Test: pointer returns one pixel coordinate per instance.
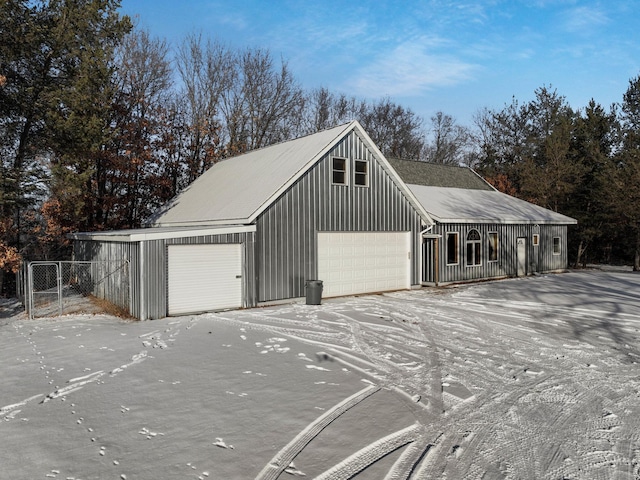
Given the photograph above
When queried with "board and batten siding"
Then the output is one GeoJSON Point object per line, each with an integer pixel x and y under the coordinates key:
{"type": "Point", "coordinates": [540, 259]}
{"type": "Point", "coordinates": [148, 268]}
{"type": "Point", "coordinates": [286, 238]}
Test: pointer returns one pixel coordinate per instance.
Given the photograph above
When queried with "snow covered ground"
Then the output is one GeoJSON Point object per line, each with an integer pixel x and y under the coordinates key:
{"type": "Point", "coordinates": [534, 378]}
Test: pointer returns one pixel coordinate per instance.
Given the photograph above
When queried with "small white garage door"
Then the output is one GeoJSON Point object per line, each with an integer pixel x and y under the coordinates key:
{"type": "Point", "coordinates": [203, 278]}
{"type": "Point", "coordinates": [363, 262]}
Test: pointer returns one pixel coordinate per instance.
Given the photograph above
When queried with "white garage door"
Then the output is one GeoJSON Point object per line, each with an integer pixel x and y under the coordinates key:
{"type": "Point", "coordinates": [363, 262]}
{"type": "Point", "coordinates": [204, 278]}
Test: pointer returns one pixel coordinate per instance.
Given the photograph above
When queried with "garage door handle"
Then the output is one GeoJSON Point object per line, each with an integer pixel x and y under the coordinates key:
{"type": "Point", "coordinates": [238, 276]}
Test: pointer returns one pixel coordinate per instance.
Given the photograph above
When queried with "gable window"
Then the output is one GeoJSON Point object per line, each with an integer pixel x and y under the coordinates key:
{"type": "Point", "coordinates": [339, 169]}
{"type": "Point", "coordinates": [474, 248]}
{"type": "Point", "coordinates": [452, 248]}
{"type": "Point", "coordinates": [361, 173]}
{"type": "Point", "coordinates": [556, 245]}
{"type": "Point", "coordinates": [493, 246]}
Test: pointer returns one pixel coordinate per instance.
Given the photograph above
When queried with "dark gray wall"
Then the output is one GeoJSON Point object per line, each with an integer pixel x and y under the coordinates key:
{"type": "Point", "coordinates": [151, 272]}
{"type": "Point", "coordinates": [286, 238]}
{"type": "Point", "coordinates": [539, 259]}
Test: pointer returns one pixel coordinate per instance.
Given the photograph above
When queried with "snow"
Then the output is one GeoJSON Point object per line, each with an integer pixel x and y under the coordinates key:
{"type": "Point", "coordinates": [533, 378]}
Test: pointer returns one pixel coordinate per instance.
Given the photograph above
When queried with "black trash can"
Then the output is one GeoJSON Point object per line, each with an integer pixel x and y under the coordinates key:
{"type": "Point", "coordinates": [314, 292]}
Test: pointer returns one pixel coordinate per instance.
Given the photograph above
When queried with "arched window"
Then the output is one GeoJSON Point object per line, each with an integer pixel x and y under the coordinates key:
{"type": "Point", "coordinates": [474, 248]}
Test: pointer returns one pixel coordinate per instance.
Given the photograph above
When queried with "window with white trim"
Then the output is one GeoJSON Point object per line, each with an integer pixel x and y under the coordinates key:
{"type": "Point", "coordinates": [339, 170]}
{"type": "Point", "coordinates": [493, 246]}
{"type": "Point", "coordinates": [474, 248]}
{"type": "Point", "coordinates": [452, 248]}
{"type": "Point", "coordinates": [556, 245]}
{"type": "Point", "coordinates": [536, 239]}
{"type": "Point", "coordinates": [361, 173]}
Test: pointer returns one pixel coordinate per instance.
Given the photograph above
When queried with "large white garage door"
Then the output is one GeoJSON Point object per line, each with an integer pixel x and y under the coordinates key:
{"type": "Point", "coordinates": [363, 262]}
{"type": "Point", "coordinates": [204, 278]}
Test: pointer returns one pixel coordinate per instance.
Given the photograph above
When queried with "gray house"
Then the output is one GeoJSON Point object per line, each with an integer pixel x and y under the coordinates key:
{"type": "Point", "coordinates": [254, 228]}
{"type": "Point", "coordinates": [478, 232]}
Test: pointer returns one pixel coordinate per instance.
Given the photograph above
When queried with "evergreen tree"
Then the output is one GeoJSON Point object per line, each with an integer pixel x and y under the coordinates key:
{"type": "Point", "coordinates": [626, 177]}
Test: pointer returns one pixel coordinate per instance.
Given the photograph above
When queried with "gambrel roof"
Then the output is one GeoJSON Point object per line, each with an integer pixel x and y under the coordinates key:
{"type": "Point", "coordinates": [452, 194]}
{"type": "Point", "coordinates": [236, 190]}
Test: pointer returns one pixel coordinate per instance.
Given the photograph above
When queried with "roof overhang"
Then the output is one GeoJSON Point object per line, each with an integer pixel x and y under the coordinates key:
{"type": "Point", "coordinates": [505, 221]}
{"type": "Point", "coordinates": [161, 233]}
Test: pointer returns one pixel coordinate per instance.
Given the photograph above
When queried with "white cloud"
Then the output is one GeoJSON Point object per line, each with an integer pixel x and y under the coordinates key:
{"type": "Point", "coordinates": [584, 19]}
{"type": "Point", "coordinates": [410, 69]}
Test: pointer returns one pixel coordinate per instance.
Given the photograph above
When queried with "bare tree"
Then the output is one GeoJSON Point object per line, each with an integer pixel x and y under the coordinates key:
{"type": "Point", "coordinates": [207, 73]}
{"type": "Point", "coordinates": [449, 143]}
{"type": "Point", "coordinates": [396, 130]}
{"type": "Point", "coordinates": [271, 100]}
{"type": "Point", "coordinates": [324, 109]}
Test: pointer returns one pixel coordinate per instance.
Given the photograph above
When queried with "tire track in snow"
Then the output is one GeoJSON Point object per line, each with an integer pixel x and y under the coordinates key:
{"type": "Point", "coordinates": [370, 454]}
{"type": "Point", "coordinates": [284, 457]}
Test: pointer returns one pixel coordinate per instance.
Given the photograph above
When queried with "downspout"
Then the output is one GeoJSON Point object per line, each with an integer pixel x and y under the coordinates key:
{"type": "Point", "coordinates": [426, 230]}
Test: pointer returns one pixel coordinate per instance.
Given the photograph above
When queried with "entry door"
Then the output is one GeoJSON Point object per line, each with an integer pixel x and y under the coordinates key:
{"type": "Point", "coordinates": [204, 278]}
{"type": "Point", "coordinates": [363, 262]}
{"type": "Point", "coordinates": [522, 256]}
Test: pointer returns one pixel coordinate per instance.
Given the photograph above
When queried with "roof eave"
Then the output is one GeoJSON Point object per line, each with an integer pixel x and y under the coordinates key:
{"type": "Point", "coordinates": [502, 221]}
{"type": "Point", "coordinates": [161, 233]}
{"type": "Point", "coordinates": [297, 175]}
{"type": "Point", "coordinates": [392, 172]}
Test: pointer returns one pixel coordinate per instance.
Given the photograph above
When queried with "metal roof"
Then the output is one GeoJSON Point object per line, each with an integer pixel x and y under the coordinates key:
{"type": "Point", "coordinates": [237, 190]}
{"type": "Point", "coordinates": [461, 205]}
{"type": "Point", "coordinates": [438, 175]}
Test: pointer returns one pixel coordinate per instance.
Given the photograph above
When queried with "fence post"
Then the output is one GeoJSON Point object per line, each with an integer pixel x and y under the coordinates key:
{"type": "Point", "coordinates": [30, 290]}
{"type": "Point", "coordinates": [59, 273]}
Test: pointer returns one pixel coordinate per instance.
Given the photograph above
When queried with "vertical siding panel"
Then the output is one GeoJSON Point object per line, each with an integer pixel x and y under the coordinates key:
{"type": "Point", "coordinates": [322, 206]}
{"type": "Point", "coordinates": [155, 269]}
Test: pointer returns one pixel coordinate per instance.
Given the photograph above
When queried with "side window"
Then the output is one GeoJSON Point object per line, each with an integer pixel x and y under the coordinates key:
{"type": "Point", "coordinates": [361, 173]}
{"type": "Point", "coordinates": [556, 245]}
{"type": "Point", "coordinates": [493, 246]}
{"type": "Point", "coordinates": [339, 168]}
{"type": "Point", "coordinates": [474, 248]}
{"type": "Point", "coordinates": [452, 248]}
{"type": "Point", "coordinates": [536, 239]}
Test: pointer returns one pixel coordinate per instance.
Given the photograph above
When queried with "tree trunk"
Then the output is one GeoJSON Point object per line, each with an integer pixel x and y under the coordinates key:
{"type": "Point", "coordinates": [581, 251]}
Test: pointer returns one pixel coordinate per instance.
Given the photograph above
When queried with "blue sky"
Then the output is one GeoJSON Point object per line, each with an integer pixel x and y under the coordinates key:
{"type": "Point", "coordinates": [431, 55]}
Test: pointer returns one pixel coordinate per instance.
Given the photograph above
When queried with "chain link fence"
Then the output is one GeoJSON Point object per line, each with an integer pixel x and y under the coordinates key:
{"type": "Point", "coordinates": [54, 288]}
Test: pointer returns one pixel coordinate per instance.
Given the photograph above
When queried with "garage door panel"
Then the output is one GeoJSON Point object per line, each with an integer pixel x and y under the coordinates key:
{"type": "Point", "coordinates": [360, 262]}
{"type": "Point", "coordinates": [204, 277]}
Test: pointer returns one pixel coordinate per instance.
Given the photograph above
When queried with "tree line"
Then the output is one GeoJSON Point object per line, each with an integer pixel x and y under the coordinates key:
{"type": "Point", "coordinates": [101, 123]}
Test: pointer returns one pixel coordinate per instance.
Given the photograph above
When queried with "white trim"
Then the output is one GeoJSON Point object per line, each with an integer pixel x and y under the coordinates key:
{"type": "Point", "coordinates": [296, 176]}
{"type": "Point", "coordinates": [477, 244]}
{"type": "Point", "coordinates": [494, 221]}
{"type": "Point", "coordinates": [352, 126]}
{"type": "Point", "coordinates": [356, 173]}
{"type": "Point", "coordinates": [393, 174]}
{"type": "Point", "coordinates": [345, 183]}
{"type": "Point", "coordinates": [161, 233]}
